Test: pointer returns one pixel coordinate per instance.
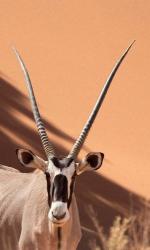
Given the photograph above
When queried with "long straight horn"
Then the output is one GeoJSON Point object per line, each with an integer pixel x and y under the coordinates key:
{"type": "Point", "coordinates": [79, 142]}
{"type": "Point", "coordinates": [49, 150]}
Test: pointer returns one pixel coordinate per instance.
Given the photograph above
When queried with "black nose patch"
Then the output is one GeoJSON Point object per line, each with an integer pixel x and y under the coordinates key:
{"type": "Point", "coordinates": [60, 188]}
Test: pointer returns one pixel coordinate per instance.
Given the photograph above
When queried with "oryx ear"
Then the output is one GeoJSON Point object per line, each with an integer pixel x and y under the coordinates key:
{"type": "Point", "coordinates": [92, 161]}
{"type": "Point", "coordinates": [29, 159]}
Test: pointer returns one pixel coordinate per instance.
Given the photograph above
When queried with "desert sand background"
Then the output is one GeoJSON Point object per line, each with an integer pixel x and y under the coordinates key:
{"type": "Point", "coordinates": [70, 48]}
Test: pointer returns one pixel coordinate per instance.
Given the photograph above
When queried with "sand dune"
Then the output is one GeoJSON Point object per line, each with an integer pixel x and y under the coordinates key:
{"type": "Point", "coordinates": [69, 48]}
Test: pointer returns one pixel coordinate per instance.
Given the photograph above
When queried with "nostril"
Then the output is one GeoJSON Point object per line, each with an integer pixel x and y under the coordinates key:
{"type": "Point", "coordinates": [59, 217]}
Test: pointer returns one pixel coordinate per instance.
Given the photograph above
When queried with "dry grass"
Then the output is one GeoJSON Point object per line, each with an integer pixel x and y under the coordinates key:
{"type": "Point", "coordinates": [132, 233]}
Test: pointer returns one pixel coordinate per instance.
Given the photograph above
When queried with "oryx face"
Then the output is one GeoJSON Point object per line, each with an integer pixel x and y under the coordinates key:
{"type": "Point", "coordinates": [61, 173]}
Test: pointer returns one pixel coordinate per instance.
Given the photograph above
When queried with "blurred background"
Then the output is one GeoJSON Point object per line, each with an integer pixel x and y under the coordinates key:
{"type": "Point", "coordinates": [69, 48]}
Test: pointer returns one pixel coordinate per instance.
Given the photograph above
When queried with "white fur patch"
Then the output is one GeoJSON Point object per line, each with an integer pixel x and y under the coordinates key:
{"type": "Point", "coordinates": [58, 208]}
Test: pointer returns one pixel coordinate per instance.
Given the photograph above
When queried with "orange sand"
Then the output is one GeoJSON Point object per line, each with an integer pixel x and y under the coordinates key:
{"type": "Point", "coordinates": [69, 48]}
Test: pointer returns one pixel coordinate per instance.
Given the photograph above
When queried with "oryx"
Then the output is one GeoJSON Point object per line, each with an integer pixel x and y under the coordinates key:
{"type": "Point", "coordinates": [38, 210]}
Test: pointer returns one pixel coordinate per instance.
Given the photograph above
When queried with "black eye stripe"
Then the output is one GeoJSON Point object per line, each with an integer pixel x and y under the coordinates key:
{"type": "Point", "coordinates": [48, 187]}
{"type": "Point", "coordinates": [71, 188]}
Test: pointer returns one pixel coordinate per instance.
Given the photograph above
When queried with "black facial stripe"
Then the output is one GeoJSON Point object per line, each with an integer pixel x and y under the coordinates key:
{"type": "Point", "coordinates": [71, 188]}
{"type": "Point", "coordinates": [48, 187]}
{"type": "Point", "coordinates": [60, 188]}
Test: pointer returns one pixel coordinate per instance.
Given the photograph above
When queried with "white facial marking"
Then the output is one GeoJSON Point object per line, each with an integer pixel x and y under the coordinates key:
{"type": "Point", "coordinates": [68, 172]}
{"type": "Point", "coordinates": [58, 213]}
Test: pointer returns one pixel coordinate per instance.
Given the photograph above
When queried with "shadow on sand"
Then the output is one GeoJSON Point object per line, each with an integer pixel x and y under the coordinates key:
{"type": "Point", "coordinates": [12, 104]}
{"type": "Point", "coordinates": [107, 198]}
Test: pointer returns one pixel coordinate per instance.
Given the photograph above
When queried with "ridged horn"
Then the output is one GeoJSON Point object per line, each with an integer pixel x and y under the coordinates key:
{"type": "Point", "coordinates": [48, 148]}
{"type": "Point", "coordinates": [79, 142]}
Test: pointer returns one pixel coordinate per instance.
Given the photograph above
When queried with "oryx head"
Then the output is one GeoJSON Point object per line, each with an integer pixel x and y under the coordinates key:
{"type": "Point", "coordinates": [61, 172]}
